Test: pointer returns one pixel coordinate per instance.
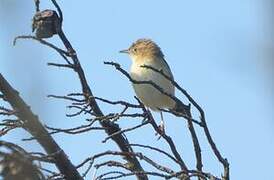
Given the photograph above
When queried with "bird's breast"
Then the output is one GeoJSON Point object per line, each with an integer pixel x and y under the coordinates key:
{"type": "Point", "coordinates": [149, 95]}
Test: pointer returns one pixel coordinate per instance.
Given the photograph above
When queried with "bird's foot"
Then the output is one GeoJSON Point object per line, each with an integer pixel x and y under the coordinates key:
{"type": "Point", "coordinates": [161, 130]}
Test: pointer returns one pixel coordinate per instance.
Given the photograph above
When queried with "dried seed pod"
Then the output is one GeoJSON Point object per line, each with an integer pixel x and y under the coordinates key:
{"type": "Point", "coordinates": [45, 24]}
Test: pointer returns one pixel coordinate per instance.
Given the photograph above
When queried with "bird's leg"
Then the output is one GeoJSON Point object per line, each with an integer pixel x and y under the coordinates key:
{"type": "Point", "coordinates": [161, 127]}
{"type": "Point", "coordinates": [162, 123]}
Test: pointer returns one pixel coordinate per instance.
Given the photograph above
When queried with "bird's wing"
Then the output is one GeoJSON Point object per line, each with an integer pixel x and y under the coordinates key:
{"type": "Point", "coordinates": [168, 69]}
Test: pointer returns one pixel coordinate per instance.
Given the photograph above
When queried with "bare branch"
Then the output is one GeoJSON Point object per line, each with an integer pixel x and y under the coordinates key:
{"type": "Point", "coordinates": [61, 65]}
{"type": "Point", "coordinates": [10, 124]}
{"type": "Point", "coordinates": [111, 127]}
{"type": "Point", "coordinates": [158, 150]}
{"type": "Point", "coordinates": [168, 140]}
{"type": "Point", "coordinates": [59, 10]}
{"type": "Point", "coordinates": [66, 98]}
{"type": "Point", "coordinates": [117, 102]}
{"type": "Point", "coordinates": [184, 116]}
{"type": "Point", "coordinates": [81, 110]}
{"type": "Point", "coordinates": [6, 112]}
{"type": "Point", "coordinates": [85, 103]}
{"type": "Point", "coordinates": [151, 119]}
{"type": "Point", "coordinates": [202, 117]}
{"type": "Point", "coordinates": [37, 3]}
{"type": "Point", "coordinates": [75, 130]}
{"type": "Point", "coordinates": [124, 175]}
{"type": "Point", "coordinates": [61, 52]}
{"type": "Point", "coordinates": [33, 126]}
{"type": "Point", "coordinates": [125, 130]}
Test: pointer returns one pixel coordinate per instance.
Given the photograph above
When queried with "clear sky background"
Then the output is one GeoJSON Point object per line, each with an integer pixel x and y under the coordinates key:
{"type": "Point", "coordinates": [221, 52]}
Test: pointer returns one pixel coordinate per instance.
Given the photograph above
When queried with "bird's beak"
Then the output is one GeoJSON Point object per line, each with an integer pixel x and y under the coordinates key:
{"type": "Point", "coordinates": [124, 51]}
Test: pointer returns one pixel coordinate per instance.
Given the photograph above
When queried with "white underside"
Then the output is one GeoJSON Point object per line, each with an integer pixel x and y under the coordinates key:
{"type": "Point", "coordinates": [150, 96]}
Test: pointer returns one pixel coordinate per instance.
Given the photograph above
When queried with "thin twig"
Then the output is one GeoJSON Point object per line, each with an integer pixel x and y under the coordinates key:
{"type": "Point", "coordinates": [61, 65]}
{"type": "Point", "coordinates": [75, 130]}
{"type": "Point", "coordinates": [125, 130]}
{"type": "Point", "coordinates": [37, 3]}
{"type": "Point", "coordinates": [66, 98]}
{"type": "Point", "coordinates": [60, 13]}
{"type": "Point", "coordinates": [124, 103]}
{"type": "Point", "coordinates": [61, 52]}
{"type": "Point", "coordinates": [156, 149]}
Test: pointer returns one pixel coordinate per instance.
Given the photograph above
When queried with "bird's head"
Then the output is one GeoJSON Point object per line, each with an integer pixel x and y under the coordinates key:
{"type": "Point", "coordinates": [143, 49]}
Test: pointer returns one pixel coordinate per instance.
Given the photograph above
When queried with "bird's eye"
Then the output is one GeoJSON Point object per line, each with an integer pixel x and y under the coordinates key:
{"type": "Point", "coordinates": [135, 49]}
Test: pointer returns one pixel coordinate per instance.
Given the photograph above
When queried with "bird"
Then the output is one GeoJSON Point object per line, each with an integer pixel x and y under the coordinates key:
{"type": "Point", "coordinates": [147, 52]}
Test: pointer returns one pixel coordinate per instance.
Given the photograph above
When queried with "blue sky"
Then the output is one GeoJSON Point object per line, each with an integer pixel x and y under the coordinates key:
{"type": "Point", "coordinates": [218, 51]}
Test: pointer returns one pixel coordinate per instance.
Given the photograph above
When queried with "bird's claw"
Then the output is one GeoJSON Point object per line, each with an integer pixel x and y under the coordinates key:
{"type": "Point", "coordinates": [161, 131]}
